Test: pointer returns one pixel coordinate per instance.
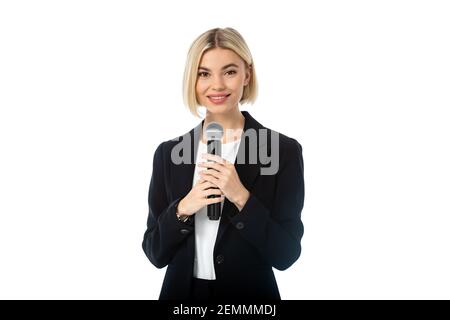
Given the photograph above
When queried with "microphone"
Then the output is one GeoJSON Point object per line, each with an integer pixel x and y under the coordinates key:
{"type": "Point", "coordinates": [214, 133]}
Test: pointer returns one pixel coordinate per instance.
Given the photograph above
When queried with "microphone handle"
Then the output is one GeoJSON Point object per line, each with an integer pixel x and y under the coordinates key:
{"type": "Point", "coordinates": [214, 147]}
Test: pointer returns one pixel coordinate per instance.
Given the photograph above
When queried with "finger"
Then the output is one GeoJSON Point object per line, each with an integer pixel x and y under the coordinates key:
{"type": "Point", "coordinates": [200, 181]}
{"type": "Point", "coordinates": [213, 157]}
{"type": "Point", "coordinates": [210, 192]}
{"type": "Point", "coordinates": [211, 178]}
{"type": "Point", "coordinates": [210, 173]}
{"type": "Point", "coordinates": [211, 165]}
{"type": "Point", "coordinates": [207, 185]}
{"type": "Point", "coordinates": [214, 200]}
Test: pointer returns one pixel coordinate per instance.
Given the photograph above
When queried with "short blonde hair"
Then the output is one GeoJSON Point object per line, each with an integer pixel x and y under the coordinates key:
{"type": "Point", "coordinates": [227, 38]}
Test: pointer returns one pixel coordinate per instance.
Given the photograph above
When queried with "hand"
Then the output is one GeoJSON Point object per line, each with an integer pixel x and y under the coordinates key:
{"type": "Point", "coordinates": [197, 198]}
{"type": "Point", "coordinates": [222, 173]}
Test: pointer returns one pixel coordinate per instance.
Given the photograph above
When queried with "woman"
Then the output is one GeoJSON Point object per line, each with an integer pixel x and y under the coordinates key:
{"type": "Point", "coordinates": [260, 225]}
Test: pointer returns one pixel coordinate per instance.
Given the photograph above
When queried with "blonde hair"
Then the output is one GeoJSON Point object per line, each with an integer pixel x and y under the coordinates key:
{"type": "Point", "coordinates": [227, 38]}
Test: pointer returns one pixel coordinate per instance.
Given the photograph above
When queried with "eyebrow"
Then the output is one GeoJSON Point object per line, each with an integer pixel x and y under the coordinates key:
{"type": "Point", "coordinates": [223, 68]}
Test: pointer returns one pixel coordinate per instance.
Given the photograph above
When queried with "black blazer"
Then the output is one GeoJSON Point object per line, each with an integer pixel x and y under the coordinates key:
{"type": "Point", "coordinates": [265, 234]}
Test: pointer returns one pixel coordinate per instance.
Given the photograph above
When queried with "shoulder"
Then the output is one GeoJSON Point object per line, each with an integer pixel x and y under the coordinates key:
{"type": "Point", "coordinates": [287, 145]}
{"type": "Point", "coordinates": [290, 144]}
{"type": "Point", "coordinates": [286, 150]}
{"type": "Point", "coordinates": [284, 142]}
{"type": "Point", "coordinates": [178, 150]}
{"type": "Point", "coordinates": [165, 147]}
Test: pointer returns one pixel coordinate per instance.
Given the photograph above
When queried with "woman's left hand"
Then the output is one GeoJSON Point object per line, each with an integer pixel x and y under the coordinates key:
{"type": "Point", "coordinates": [225, 177]}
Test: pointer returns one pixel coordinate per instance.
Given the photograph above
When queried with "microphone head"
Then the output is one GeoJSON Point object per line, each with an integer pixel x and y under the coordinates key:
{"type": "Point", "coordinates": [214, 131]}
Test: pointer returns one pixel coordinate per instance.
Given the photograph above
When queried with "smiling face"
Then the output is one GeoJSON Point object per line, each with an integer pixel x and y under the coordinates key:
{"type": "Point", "coordinates": [221, 78]}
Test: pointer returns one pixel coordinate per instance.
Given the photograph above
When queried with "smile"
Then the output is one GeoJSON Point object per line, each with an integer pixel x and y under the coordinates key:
{"type": "Point", "coordinates": [218, 99]}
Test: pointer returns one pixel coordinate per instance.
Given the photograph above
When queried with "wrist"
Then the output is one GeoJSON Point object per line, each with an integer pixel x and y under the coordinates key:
{"type": "Point", "coordinates": [181, 216]}
{"type": "Point", "coordinates": [242, 199]}
{"type": "Point", "coordinates": [180, 211]}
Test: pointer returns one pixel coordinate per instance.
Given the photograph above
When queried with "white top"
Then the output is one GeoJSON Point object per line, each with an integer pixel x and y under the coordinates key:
{"type": "Point", "coordinates": [205, 229]}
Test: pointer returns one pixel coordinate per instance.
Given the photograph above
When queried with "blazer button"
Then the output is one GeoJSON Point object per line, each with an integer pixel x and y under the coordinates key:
{"type": "Point", "coordinates": [184, 231]}
{"type": "Point", "coordinates": [240, 225]}
{"type": "Point", "coordinates": [220, 259]}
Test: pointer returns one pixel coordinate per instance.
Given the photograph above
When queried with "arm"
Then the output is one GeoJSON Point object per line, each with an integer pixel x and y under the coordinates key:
{"type": "Point", "coordinates": [276, 234]}
{"type": "Point", "coordinates": [164, 231]}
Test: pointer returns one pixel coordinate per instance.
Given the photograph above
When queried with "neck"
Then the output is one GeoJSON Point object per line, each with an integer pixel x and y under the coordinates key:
{"type": "Point", "coordinates": [232, 123]}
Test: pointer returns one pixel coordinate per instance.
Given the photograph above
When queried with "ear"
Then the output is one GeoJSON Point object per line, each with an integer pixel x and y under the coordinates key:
{"type": "Point", "coordinates": [248, 74]}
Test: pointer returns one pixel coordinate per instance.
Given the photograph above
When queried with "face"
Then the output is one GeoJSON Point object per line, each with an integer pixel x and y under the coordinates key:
{"type": "Point", "coordinates": [221, 78]}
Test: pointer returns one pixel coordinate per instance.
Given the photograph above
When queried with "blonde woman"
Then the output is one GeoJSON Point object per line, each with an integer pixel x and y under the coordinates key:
{"type": "Point", "coordinates": [257, 179]}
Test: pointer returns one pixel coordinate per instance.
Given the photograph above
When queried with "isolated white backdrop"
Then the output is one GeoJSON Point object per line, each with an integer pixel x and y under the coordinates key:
{"type": "Point", "coordinates": [88, 89]}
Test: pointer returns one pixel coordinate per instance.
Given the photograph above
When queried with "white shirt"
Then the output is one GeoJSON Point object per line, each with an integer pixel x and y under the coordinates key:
{"type": "Point", "coordinates": [205, 229]}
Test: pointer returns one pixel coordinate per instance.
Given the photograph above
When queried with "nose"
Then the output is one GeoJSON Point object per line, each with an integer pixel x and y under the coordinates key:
{"type": "Point", "coordinates": [218, 84]}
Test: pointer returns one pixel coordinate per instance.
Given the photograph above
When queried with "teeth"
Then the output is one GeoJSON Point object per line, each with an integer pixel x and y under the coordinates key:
{"type": "Point", "coordinates": [218, 98]}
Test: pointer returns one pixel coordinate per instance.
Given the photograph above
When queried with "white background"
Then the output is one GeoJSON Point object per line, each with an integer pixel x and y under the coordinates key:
{"type": "Point", "coordinates": [88, 89]}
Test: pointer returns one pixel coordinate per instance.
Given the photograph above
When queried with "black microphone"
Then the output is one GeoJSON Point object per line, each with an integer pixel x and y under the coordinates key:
{"type": "Point", "coordinates": [214, 133]}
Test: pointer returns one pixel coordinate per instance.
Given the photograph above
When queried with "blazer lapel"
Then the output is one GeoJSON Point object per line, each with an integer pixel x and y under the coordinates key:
{"type": "Point", "coordinates": [246, 171]}
{"type": "Point", "coordinates": [183, 173]}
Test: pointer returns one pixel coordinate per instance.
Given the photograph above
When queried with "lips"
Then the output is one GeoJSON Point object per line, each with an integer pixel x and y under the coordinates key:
{"type": "Point", "coordinates": [219, 96]}
{"type": "Point", "coordinates": [218, 99]}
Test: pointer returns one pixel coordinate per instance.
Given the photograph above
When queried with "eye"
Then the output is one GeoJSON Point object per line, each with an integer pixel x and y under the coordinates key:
{"type": "Point", "coordinates": [232, 71]}
{"type": "Point", "coordinates": [200, 74]}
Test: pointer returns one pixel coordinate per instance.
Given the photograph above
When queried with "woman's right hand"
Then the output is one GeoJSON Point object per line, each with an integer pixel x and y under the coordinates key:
{"type": "Point", "coordinates": [197, 198]}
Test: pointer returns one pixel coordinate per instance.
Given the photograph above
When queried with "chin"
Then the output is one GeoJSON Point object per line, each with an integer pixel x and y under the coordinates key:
{"type": "Point", "coordinates": [218, 109]}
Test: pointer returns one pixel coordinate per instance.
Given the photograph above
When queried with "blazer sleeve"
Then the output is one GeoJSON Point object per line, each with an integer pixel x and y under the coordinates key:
{"type": "Point", "coordinates": [164, 231]}
{"type": "Point", "coordinates": [276, 233]}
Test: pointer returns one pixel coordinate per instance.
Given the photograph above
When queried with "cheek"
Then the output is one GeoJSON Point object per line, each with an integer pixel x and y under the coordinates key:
{"type": "Point", "coordinates": [236, 84]}
{"type": "Point", "coordinates": [199, 88]}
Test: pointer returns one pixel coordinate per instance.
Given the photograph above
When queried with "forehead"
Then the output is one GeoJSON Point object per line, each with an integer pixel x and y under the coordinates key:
{"type": "Point", "coordinates": [217, 57]}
